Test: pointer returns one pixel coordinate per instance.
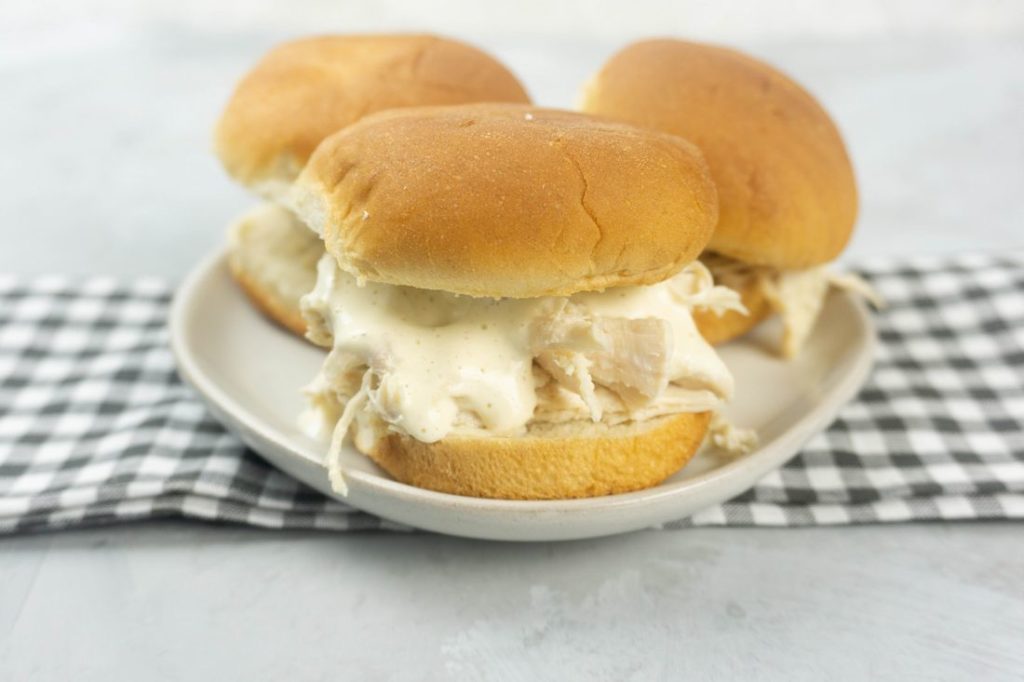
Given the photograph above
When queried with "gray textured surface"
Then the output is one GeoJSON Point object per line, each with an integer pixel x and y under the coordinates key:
{"type": "Point", "coordinates": [104, 125]}
{"type": "Point", "coordinates": [168, 602]}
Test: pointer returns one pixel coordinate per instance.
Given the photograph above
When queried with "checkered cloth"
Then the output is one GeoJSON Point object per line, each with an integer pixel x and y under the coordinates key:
{"type": "Point", "coordinates": [96, 427]}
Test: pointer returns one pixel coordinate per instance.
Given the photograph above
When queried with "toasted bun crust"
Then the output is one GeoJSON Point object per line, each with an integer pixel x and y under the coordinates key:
{"type": "Point", "coordinates": [507, 201]}
{"type": "Point", "coordinates": [786, 188]}
{"type": "Point", "coordinates": [303, 91]}
{"type": "Point", "coordinates": [273, 257]}
{"type": "Point", "coordinates": [721, 329]}
{"type": "Point", "coordinates": [579, 459]}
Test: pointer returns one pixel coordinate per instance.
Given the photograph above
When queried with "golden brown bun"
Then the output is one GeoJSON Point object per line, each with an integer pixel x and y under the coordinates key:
{"type": "Point", "coordinates": [273, 257]}
{"type": "Point", "coordinates": [303, 91]}
{"type": "Point", "coordinates": [786, 188]}
{"type": "Point", "coordinates": [507, 200]}
{"type": "Point", "coordinates": [556, 462]}
{"type": "Point", "coordinates": [721, 329]}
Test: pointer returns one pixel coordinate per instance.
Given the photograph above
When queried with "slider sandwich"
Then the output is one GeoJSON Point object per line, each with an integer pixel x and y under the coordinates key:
{"type": "Point", "coordinates": [508, 293]}
{"type": "Point", "coordinates": [300, 93]}
{"type": "Point", "coordinates": [786, 189]}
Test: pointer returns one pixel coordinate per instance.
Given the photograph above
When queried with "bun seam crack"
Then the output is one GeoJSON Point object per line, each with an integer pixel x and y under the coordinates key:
{"type": "Point", "coordinates": [560, 143]}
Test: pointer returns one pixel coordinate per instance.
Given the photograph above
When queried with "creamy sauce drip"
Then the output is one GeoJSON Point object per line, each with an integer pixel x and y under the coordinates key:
{"type": "Point", "coordinates": [431, 364]}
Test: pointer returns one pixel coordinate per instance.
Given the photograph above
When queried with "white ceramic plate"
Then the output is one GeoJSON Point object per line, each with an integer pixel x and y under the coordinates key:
{"type": "Point", "coordinates": [250, 373]}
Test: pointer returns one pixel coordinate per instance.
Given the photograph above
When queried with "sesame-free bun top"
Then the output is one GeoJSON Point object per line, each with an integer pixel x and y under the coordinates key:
{"type": "Point", "coordinates": [302, 91]}
{"type": "Point", "coordinates": [506, 200]}
{"type": "Point", "coordinates": [787, 194]}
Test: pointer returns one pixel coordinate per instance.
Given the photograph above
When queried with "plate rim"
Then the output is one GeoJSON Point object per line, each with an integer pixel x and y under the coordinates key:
{"type": "Point", "coordinates": [774, 455]}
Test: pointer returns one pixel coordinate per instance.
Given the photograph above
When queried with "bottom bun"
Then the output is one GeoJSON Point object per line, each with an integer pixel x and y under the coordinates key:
{"type": "Point", "coordinates": [578, 459]}
{"type": "Point", "coordinates": [273, 258]}
{"type": "Point", "coordinates": [718, 329]}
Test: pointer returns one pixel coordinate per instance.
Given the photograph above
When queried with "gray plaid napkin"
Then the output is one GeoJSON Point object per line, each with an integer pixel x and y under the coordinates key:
{"type": "Point", "coordinates": [95, 426]}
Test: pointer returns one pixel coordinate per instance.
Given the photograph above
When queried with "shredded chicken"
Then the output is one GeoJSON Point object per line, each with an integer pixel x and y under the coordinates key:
{"type": "Point", "coordinates": [426, 364]}
{"type": "Point", "coordinates": [699, 288]}
{"type": "Point", "coordinates": [627, 356]}
{"type": "Point", "coordinates": [729, 438]}
{"type": "Point", "coordinates": [348, 415]}
{"type": "Point", "coordinates": [797, 296]}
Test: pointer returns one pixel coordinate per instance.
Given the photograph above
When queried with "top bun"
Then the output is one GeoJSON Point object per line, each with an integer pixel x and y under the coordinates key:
{"type": "Point", "coordinates": [303, 91]}
{"type": "Point", "coordinates": [787, 195]}
{"type": "Point", "coordinates": [507, 200]}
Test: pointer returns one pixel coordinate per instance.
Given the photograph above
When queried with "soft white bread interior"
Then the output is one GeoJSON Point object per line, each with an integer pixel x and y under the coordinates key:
{"type": "Point", "coordinates": [273, 256]}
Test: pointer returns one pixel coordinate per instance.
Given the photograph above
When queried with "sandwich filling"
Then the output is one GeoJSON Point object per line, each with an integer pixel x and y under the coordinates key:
{"type": "Point", "coordinates": [797, 296]}
{"type": "Point", "coordinates": [431, 365]}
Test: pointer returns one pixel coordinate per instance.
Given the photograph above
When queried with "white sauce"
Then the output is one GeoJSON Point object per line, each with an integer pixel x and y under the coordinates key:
{"type": "Point", "coordinates": [432, 353]}
{"type": "Point", "coordinates": [429, 364]}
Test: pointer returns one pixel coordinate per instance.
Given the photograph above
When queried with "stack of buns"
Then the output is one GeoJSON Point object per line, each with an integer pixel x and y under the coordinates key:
{"type": "Point", "coordinates": [521, 302]}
